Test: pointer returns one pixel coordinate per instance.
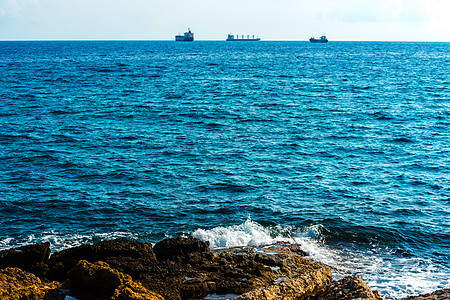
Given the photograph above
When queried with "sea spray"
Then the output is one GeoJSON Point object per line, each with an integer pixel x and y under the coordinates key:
{"type": "Point", "coordinates": [393, 276]}
{"type": "Point", "coordinates": [245, 234]}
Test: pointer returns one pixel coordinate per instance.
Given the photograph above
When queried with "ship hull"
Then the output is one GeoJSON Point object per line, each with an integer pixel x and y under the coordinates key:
{"type": "Point", "coordinates": [318, 40]}
{"type": "Point", "coordinates": [181, 38]}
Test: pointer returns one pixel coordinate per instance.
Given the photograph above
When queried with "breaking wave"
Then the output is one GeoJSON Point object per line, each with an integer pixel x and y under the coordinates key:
{"type": "Point", "coordinates": [60, 241]}
{"type": "Point", "coordinates": [394, 277]}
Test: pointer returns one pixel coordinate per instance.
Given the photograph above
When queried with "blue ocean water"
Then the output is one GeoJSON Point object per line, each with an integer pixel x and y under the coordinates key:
{"type": "Point", "coordinates": [343, 148]}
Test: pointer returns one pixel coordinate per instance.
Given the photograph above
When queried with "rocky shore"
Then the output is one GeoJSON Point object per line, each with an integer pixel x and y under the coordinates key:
{"type": "Point", "coordinates": [179, 268]}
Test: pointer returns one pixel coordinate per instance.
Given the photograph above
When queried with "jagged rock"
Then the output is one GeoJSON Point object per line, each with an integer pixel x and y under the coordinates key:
{"type": "Point", "coordinates": [100, 282]}
{"type": "Point", "coordinates": [349, 287]}
{"type": "Point", "coordinates": [16, 284]}
{"type": "Point", "coordinates": [180, 247]}
{"type": "Point", "coordinates": [185, 268]}
{"type": "Point", "coordinates": [288, 247]}
{"type": "Point", "coordinates": [32, 258]}
{"type": "Point", "coordinates": [297, 288]}
{"type": "Point", "coordinates": [113, 252]}
{"type": "Point", "coordinates": [437, 295]}
{"type": "Point", "coordinates": [192, 274]}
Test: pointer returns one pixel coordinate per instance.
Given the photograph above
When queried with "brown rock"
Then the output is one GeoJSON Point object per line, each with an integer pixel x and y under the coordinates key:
{"type": "Point", "coordinates": [113, 251]}
{"type": "Point", "coordinates": [134, 291]}
{"type": "Point", "coordinates": [181, 268]}
{"type": "Point", "coordinates": [180, 247]}
{"type": "Point", "coordinates": [296, 288]}
{"type": "Point", "coordinates": [187, 269]}
{"type": "Point", "coordinates": [16, 284]}
{"type": "Point", "coordinates": [98, 281]}
{"type": "Point", "coordinates": [443, 294]}
{"type": "Point", "coordinates": [32, 258]}
{"type": "Point", "coordinates": [349, 287]}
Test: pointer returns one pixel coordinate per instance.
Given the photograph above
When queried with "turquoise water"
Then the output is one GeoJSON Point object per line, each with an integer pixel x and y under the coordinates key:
{"type": "Point", "coordinates": [343, 148]}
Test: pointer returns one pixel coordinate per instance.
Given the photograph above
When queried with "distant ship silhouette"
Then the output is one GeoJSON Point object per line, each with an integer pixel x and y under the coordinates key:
{"type": "Point", "coordinates": [188, 36]}
{"type": "Point", "coordinates": [232, 38]}
{"type": "Point", "coordinates": [323, 39]}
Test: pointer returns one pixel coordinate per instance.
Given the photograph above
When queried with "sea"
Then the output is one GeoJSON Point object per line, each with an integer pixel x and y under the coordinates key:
{"type": "Point", "coordinates": [343, 148]}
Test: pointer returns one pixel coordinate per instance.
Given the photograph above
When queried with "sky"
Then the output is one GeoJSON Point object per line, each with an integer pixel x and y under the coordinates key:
{"type": "Point", "coordinates": [340, 20]}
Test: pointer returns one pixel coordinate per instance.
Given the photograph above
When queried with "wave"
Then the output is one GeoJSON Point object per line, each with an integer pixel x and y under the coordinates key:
{"type": "Point", "coordinates": [248, 233]}
{"type": "Point", "coordinates": [383, 269]}
{"type": "Point", "coordinates": [60, 240]}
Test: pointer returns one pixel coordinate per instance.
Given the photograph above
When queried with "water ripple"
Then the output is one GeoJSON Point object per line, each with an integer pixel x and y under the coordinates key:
{"type": "Point", "coordinates": [346, 145]}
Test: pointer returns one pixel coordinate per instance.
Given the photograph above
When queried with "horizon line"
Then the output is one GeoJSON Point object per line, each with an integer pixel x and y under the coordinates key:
{"type": "Point", "coordinates": [216, 40]}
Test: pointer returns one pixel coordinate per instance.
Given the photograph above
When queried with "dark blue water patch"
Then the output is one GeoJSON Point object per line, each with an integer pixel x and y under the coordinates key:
{"type": "Point", "coordinates": [403, 140]}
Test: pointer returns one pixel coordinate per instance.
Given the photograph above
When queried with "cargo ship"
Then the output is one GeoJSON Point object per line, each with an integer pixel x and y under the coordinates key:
{"type": "Point", "coordinates": [323, 39]}
{"type": "Point", "coordinates": [186, 37]}
{"type": "Point", "coordinates": [232, 38]}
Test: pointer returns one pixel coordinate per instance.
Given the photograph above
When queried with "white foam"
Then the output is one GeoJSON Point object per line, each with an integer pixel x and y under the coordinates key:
{"type": "Point", "coordinates": [5, 242]}
{"type": "Point", "coordinates": [394, 277]}
{"type": "Point", "coordinates": [252, 233]}
{"type": "Point", "coordinates": [246, 234]}
{"type": "Point", "coordinates": [60, 241]}
{"type": "Point", "coordinates": [400, 277]}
